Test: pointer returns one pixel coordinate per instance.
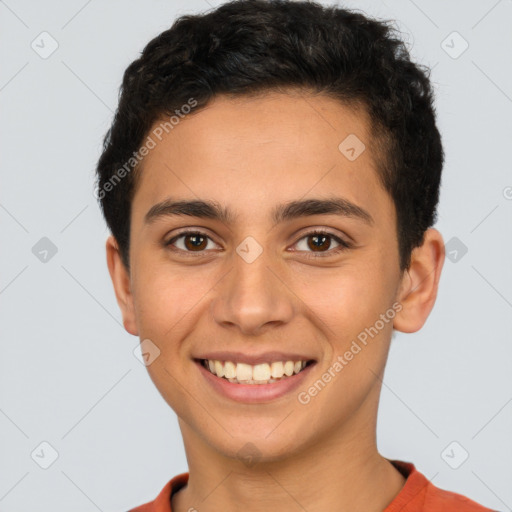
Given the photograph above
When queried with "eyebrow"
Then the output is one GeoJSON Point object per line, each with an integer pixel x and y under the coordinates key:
{"type": "Point", "coordinates": [281, 213]}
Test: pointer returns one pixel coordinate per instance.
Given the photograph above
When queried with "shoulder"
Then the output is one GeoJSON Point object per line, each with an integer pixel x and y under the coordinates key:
{"type": "Point", "coordinates": [437, 499]}
{"type": "Point", "coordinates": [162, 503]}
{"type": "Point", "coordinates": [420, 494]}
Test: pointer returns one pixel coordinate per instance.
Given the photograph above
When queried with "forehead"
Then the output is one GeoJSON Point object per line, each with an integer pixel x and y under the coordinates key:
{"type": "Point", "coordinates": [248, 152]}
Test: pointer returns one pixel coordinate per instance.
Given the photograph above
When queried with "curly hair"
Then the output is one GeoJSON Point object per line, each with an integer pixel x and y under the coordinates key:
{"type": "Point", "coordinates": [246, 47]}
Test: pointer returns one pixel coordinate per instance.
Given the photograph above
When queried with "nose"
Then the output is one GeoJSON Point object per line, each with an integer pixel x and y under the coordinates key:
{"type": "Point", "coordinates": [252, 297]}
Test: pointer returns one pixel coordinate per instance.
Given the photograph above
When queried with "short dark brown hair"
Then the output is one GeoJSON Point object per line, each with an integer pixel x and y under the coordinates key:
{"type": "Point", "coordinates": [251, 46]}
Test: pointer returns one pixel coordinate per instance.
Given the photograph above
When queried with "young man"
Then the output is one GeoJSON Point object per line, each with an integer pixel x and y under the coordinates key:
{"type": "Point", "coordinates": [270, 181]}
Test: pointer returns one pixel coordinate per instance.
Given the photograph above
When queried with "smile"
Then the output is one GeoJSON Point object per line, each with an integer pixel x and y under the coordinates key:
{"type": "Point", "coordinates": [264, 373]}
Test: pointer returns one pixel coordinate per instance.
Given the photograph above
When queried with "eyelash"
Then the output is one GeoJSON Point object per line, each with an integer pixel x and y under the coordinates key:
{"type": "Point", "coordinates": [344, 245]}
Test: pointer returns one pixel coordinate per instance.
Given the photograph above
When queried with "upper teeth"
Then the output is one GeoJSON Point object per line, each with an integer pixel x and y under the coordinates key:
{"type": "Point", "coordinates": [259, 373]}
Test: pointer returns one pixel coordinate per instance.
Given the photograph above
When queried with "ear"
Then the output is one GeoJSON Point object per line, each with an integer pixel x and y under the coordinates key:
{"type": "Point", "coordinates": [418, 288]}
{"type": "Point", "coordinates": [122, 285]}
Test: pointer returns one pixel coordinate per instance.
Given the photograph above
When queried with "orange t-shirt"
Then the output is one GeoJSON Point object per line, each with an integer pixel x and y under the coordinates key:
{"type": "Point", "coordinates": [417, 495]}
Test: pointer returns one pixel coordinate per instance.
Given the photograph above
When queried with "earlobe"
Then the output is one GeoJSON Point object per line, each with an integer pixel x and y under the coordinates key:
{"type": "Point", "coordinates": [418, 289]}
{"type": "Point", "coordinates": [122, 285]}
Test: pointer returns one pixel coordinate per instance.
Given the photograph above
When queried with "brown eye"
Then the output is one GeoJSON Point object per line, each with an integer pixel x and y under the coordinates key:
{"type": "Point", "coordinates": [195, 242]}
{"type": "Point", "coordinates": [190, 241]}
{"type": "Point", "coordinates": [319, 244]}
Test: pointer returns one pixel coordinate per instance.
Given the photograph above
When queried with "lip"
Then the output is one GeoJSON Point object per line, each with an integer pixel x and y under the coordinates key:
{"type": "Point", "coordinates": [253, 359]}
{"type": "Point", "coordinates": [254, 393]}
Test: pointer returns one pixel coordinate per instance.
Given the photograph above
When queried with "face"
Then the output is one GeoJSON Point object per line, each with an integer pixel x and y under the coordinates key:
{"type": "Point", "coordinates": [293, 257]}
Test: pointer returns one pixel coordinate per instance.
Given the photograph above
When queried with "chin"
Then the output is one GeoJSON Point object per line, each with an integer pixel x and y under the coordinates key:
{"type": "Point", "coordinates": [252, 446]}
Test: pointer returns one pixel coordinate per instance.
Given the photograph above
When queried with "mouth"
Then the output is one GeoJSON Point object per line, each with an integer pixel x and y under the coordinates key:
{"type": "Point", "coordinates": [262, 373]}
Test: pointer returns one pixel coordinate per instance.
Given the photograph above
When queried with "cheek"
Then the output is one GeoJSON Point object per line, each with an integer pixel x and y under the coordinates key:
{"type": "Point", "coordinates": [343, 296]}
{"type": "Point", "coordinates": [168, 299]}
{"type": "Point", "coordinates": [349, 301]}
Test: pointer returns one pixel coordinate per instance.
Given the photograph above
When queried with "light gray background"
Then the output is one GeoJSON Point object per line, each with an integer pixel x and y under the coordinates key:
{"type": "Point", "coordinates": [68, 375]}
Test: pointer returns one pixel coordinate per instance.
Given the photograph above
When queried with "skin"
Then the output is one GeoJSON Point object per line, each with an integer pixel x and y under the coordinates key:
{"type": "Point", "coordinates": [250, 154]}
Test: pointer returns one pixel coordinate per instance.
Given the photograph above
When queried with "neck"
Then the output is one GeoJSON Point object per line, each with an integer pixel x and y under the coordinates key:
{"type": "Point", "coordinates": [341, 471]}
